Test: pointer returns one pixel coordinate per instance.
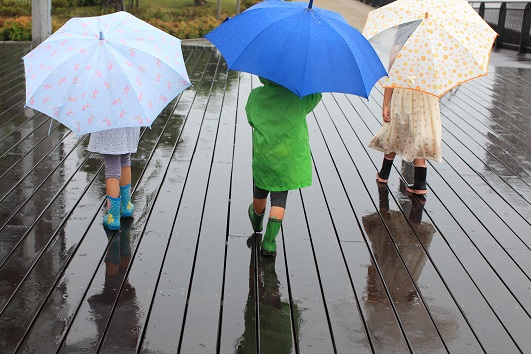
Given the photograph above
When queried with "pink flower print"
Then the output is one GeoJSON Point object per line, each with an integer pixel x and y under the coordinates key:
{"type": "Point", "coordinates": [61, 81]}
{"type": "Point", "coordinates": [142, 69]}
{"type": "Point", "coordinates": [140, 95]}
{"type": "Point", "coordinates": [151, 38]}
{"type": "Point", "coordinates": [88, 67]}
{"type": "Point", "coordinates": [157, 79]}
{"type": "Point", "coordinates": [126, 90]}
{"type": "Point", "coordinates": [47, 47]}
{"type": "Point", "coordinates": [83, 95]}
{"type": "Point", "coordinates": [139, 119]}
{"type": "Point", "coordinates": [76, 67]}
{"type": "Point", "coordinates": [128, 63]}
{"type": "Point", "coordinates": [32, 56]}
{"type": "Point", "coordinates": [49, 68]}
{"type": "Point", "coordinates": [107, 121]}
{"type": "Point", "coordinates": [123, 42]}
{"type": "Point", "coordinates": [42, 67]}
{"type": "Point", "coordinates": [94, 94]}
{"type": "Point", "coordinates": [69, 113]}
{"type": "Point", "coordinates": [163, 99]}
{"type": "Point", "coordinates": [107, 85]}
{"type": "Point", "coordinates": [46, 99]}
{"type": "Point", "coordinates": [131, 52]}
{"type": "Point", "coordinates": [90, 119]}
{"type": "Point", "coordinates": [116, 101]}
{"type": "Point", "coordinates": [148, 120]}
{"type": "Point", "coordinates": [122, 113]}
{"type": "Point", "coordinates": [138, 81]}
{"type": "Point", "coordinates": [64, 42]}
{"type": "Point", "coordinates": [33, 76]}
{"type": "Point", "coordinates": [183, 82]}
{"type": "Point", "coordinates": [78, 127]}
{"type": "Point", "coordinates": [32, 101]}
{"type": "Point", "coordinates": [56, 112]}
{"type": "Point", "coordinates": [47, 86]}
{"type": "Point", "coordinates": [110, 66]}
{"type": "Point", "coordinates": [156, 48]}
{"type": "Point", "coordinates": [71, 49]}
{"type": "Point", "coordinates": [83, 51]}
{"type": "Point", "coordinates": [85, 107]}
{"type": "Point", "coordinates": [159, 63]}
{"type": "Point", "coordinates": [169, 85]}
{"type": "Point", "coordinates": [53, 53]}
{"type": "Point", "coordinates": [150, 104]}
{"type": "Point", "coordinates": [98, 73]}
{"type": "Point", "coordinates": [74, 80]}
{"type": "Point", "coordinates": [140, 39]}
{"type": "Point", "coordinates": [71, 98]}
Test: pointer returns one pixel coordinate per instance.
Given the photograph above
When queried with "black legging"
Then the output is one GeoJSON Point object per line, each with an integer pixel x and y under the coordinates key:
{"type": "Point", "coordinates": [278, 199]}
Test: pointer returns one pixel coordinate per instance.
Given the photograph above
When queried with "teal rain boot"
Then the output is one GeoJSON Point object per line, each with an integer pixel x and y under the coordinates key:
{"type": "Point", "coordinates": [126, 207]}
{"type": "Point", "coordinates": [256, 219]}
{"type": "Point", "coordinates": [112, 219]}
{"type": "Point", "coordinates": [269, 246]}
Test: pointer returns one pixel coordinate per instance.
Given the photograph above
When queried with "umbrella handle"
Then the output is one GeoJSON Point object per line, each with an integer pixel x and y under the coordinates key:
{"type": "Point", "coordinates": [310, 4]}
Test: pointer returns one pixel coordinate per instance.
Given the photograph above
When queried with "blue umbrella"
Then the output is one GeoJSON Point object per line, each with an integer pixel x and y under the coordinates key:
{"type": "Point", "coordinates": [300, 47]}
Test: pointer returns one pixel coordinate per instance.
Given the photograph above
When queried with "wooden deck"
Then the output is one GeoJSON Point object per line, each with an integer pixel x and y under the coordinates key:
{"type": "Point", "coordinates": [359, 269]}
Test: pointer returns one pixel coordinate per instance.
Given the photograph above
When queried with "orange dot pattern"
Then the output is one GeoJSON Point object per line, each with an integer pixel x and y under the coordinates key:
{"type": "Point", "coordinates": [451, 45]}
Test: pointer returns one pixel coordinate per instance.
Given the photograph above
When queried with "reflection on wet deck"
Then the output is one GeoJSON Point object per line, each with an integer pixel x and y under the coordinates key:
{"type": "Point", "coordinates": [359, 268]}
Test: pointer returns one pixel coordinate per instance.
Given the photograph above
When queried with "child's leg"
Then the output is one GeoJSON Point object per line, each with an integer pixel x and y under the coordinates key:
{"type": "Point", "coordinates": [276, 215]}
{"type": "Point", "coordinates": [419, 185]}
{"type": "Point", "coordinates": [126, 206]}
{"type": "Point", "coordinates": [257, 208]}
{"type": "Point", "coordinates": [125, 163]}
{"type": "Point", "coordinates": [383, 175]}
{"type": "Point", "coordinates": [112, 188]}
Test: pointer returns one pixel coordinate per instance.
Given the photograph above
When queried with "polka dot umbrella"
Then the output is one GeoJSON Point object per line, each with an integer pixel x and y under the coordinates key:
{"type": "Point", "coordinates": [451, 45]}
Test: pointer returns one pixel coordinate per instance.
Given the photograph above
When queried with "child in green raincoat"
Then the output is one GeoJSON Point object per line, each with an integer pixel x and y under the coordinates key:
{"type": "Point", "coordinates": [281, 153]}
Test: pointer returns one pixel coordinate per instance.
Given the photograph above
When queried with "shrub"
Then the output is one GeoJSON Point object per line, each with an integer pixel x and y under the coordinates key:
{"type": "Point", "coordinates": [17, 29]}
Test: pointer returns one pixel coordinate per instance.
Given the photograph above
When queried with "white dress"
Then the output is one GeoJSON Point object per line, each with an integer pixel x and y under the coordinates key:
{"type": "Point", "coordinates": [415, 130]}
{"type": "Point", "coordinates": [116, 141]}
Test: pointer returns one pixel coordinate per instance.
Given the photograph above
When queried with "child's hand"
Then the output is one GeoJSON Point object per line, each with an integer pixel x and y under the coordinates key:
{"type": "Point", "coordinates": [386, 114]}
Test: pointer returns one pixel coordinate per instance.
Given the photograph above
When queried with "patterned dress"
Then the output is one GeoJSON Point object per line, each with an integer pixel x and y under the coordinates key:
{"type": "Point", "coordinates": [115, 141]}
{"type": "Point", "coordinates": [414, 131]}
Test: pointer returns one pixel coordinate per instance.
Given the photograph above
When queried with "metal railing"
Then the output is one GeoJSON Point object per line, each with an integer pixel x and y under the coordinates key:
{"type": "Point", "coordinates": [511, 19]}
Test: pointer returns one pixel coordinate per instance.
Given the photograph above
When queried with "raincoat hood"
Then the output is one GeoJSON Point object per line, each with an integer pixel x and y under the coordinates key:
{"type": "Point", "coordinates": [265, 81]}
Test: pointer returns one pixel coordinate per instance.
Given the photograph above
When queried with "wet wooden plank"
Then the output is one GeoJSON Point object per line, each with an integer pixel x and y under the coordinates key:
{"type": "Point", "coordinates": [385, 259]}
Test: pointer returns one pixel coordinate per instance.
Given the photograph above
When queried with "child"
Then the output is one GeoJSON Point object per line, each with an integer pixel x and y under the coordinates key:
{"type": "Point", "coordinates": [281, 153]}
{"type": "Point", "coordinates": [116, 145]}
{"type": "Point", "coordinates": [412, 129]}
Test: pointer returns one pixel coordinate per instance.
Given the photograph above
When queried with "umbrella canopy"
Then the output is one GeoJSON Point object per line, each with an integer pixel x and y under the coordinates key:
{"type": "Point", "coordinates": [451, 45]}
{"type": "Point", "coordinates": [300, 47]}
{"type": "Point", "coordinates": [105, 72]}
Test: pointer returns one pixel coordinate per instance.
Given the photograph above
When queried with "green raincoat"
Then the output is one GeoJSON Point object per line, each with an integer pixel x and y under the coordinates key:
{"type": "Point", "coordinates": [281, 147]}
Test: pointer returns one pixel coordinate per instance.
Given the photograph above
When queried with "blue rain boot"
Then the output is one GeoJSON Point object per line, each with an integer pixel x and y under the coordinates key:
{"type": "Point", "coordinates": [112, 219]}
{"type": "Point", "coordinates": [126, 207]}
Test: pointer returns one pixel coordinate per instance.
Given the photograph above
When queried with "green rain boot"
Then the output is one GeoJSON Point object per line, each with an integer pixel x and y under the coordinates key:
{"type": "Point", "coordinates": [256, 219]}
{"type": "Point", "coordinates": [112, 219]}
{"type": "Point", "coordinates": [269, 246]}
{"type": "Point", "coordinates": [126, 207]}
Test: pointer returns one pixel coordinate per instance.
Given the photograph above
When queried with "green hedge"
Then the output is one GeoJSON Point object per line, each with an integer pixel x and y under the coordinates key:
{"type": "Point", "coordinates": [184, 23]}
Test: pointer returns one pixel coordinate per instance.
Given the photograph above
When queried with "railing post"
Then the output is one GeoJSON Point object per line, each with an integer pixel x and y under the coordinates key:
{"type": "Point", "coordinates": [526, 26]}
{"type": "Point", "coordinates": [482, 10]}
{"type": "Point", "coordinates": [501, 25]}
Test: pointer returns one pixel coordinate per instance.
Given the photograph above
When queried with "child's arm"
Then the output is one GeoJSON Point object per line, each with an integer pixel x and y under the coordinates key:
{"type": "Point", "coordinates": [386, 112]}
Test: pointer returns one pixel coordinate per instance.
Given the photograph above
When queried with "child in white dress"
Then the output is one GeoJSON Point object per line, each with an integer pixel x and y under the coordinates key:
{"type": "Point", "coordinates": [116, 145]}
{"type": "Point", "coordinates": [412, 129]}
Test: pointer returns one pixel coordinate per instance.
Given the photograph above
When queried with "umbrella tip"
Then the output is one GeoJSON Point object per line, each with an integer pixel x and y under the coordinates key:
{"type": "Point", "coordinates": [101, 35]}
{"type": "Point", "coordinates": [426, 14]}
{"type": "Point", "coordinates": [310, 4]}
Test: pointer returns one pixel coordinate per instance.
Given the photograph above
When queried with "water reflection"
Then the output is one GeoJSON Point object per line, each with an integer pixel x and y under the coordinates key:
{"type": "Point", "coordinates": [392, 277]}
{"type": "Point", "coordinates": [117, 261]}
{"type": "Point", "coordinates": [275, 318]}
